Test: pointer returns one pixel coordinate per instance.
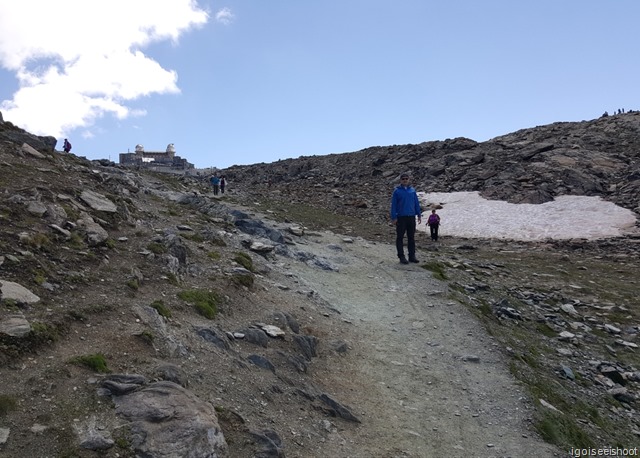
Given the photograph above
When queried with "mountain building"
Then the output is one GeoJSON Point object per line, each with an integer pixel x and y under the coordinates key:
{"type": "Point", "coordinates": [155, 159]}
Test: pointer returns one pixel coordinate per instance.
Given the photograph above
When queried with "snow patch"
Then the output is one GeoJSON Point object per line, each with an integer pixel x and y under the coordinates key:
{"type": "Point", "coordinates": [467, 214]}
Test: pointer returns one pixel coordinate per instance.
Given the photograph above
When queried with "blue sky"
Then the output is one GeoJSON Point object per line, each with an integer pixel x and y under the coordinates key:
{"type": "Point", "coordinates": [249, 81]}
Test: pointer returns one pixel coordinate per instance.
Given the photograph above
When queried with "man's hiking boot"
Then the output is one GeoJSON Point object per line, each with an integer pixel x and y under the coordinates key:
{"type": "Point", "coordinates": [403, 260]}
{"type": "Point", "coordinates": [414, 260]}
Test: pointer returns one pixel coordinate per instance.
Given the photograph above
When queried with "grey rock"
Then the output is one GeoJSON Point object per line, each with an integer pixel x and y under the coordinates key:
{"type": "Point", "coordinates": [338, 410]}
{"type": "Point", "coordinates": [262, 362]}
{"type": "Point", "coordinates": [167, 420]}
{"type": "Point", "coordinates": [4, 435]}
{"type": "Point", "coordinates": [256, 336]}
{"type": "Point", "coordinates": [16, 292]}
{"type": "Point", "coordinates": [210, 335]}
{"type": "Point", "coordinates": [98, 202]}
{"type": "Point", "coordinates": [307, 344]}
{"type": "Point", "coordinates": [15, 325]}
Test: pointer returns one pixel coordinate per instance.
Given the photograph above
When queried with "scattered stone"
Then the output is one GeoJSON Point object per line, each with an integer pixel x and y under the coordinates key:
{"type": "Point", "coordinates": [471, 358]}
{"type": "Point", "coordinates": [262, 362]}
{"type": "Point", "coordinates": [98, 202]}
{"type": "Point", "coordinates": [4, 435]}
{"type": "Point", "coordinates": [16, 292]}
{"type": "Point", "coordinates": [566, 335]}
{"type": "Point", "coordinates": [612, 329]}
{"type": "Point", "coordinates": [272, 331]}
{"type": "Point", "coordinates": [544, 403]}
{"type": "Point", "coordinates": [338, 410]}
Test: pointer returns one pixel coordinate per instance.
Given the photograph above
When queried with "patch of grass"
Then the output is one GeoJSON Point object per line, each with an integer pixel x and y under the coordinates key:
{"type": "Point", "coordinates": [7, 404]}
{"type": "Point", "coordinates": [244, 260]}
{"type": "Point", "coordinates": [96, 362]}
{"type": "Point", "coordinates": [436, 268]}
{"type": "Point", "coordinates": [9, 303]}
{"type": "Point", "coordinates": [76, 241]}
{"type": "Point", "coordinates": [110, 243]}
{"type": "Point", "coordinates": [39, 278]}
{"type": "Point", "coordinates": [215, 255]}
{"type": "Point", "coordinates": [134, 284]}
{"type": "Point", "coordinates": [172, 210]}
{"type": "Point", "coordinates": [38, 241]}
{"type": "Point", "coordinates": [76, 315]}
{"type": "Point", "coordinates": [484, 308]}
{"type": "Point", "coordinates": [161, 308]}
{"type": "Point", "coordinates": [206, 302]}
{"type": "Point", "coordinates": [561, 430]}
{"type": "Point", "coordinates": [243, 280]}
{"type": "Point", "coordinates": [173, 279]}
{"type": "Point", "coordinates": [545, 330]}
{"type": "Point", "coordinates": [193, 236]}
{"type": "Point", "coordinates": [43, 332]}
{"type": "Point", "coordinates": [217, 241]}
{"type": "Point", "coordinates": [146, 336]}
{"type": "Point", "coordinates": [157, 248]}
{"type": "Point", "coordinates": [72, 213]}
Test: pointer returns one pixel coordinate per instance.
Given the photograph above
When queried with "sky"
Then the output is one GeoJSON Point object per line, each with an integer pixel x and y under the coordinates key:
{"type": "Point", "coordinates": [467, 214]}
{"type": "Point", "coordinates": [251, 81]}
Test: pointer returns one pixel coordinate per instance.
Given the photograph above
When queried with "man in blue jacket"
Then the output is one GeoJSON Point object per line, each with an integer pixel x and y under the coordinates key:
{"type": "Point", "coordinates": [404, 209]}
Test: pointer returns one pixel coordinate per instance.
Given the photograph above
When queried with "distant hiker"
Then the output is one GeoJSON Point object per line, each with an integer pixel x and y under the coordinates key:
{"type": "Point", "coordinates": [223, 183]}
{"type": "Point", "coordinates": [404, 209]}
{"type": "Point", "coordinates": [215, 182]}
{"type": "Point", "coordinates": [67, 146]}
{"type": "Point", "coordinates": [434, 222]}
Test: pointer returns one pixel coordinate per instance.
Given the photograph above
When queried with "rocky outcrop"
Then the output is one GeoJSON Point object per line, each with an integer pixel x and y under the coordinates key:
{"type": "Point", "coordinates": [593, 158]}
{"type": "Point", "coordinates": [14, 134]}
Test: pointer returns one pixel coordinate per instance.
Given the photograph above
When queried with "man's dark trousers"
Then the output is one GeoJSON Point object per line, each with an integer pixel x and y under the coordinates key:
{"type": "Point", "coordinates": [406, 224]}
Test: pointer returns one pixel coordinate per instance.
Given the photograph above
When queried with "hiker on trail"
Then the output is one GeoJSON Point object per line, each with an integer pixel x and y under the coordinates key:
{"type": "Point", "coordinates": [434, 222]}
{"type": "Point", "coordinates": [67, 146]}
{"type": "Point", "coordinates": [404, 209]}
{"type": "Point", "coordinates": [223, 183]}
{"type": "Point", "coordinates": [215, 182]}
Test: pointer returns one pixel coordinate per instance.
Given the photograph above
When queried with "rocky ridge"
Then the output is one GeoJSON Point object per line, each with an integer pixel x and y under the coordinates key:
{"type": "Point", "coordinates": [589, 158]}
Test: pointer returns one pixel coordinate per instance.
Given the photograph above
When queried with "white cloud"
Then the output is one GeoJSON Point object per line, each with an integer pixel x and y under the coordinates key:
{"type": "Point", "coordinates": [76, 60]}
{"type": "Point", "coordinates": [225, 16]}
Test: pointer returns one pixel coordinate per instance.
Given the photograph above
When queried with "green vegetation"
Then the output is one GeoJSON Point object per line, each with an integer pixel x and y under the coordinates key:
{"type": "Point", "coordinates": [96, 362]}
{"type": "Point", "coordinates": [215, 255]}
{"type": "Point", "coordinates": [162, 309]}
{"type": "Point", "coordinates": [157, 248]}
{"type": "Point", "coordinates": [206, 302]}
{"type": "Point", "coordinates": [173, 279]}
{"type": "Point", "coordinates": [134, 284]}
{"type": "Point", "coordinates": [39, 278]}
{"type": "Point", "coordinates": [243, 280]}
{"type": "Point", "coordinates": [193, 236]}
{"type": "Point", "coordinates": [244, 260]}
{"type": "Point", "coordinates": [437, 268]}
{"type": "Point", "coordinates": [72, 213]}
{"type": "Point", "coordinates": [146, 336]}
{"type": "Point", "coordinates": [76, 241]}
{"type": "Point", "coordinates": [7, 404]}
{"type": "Point", "coordinates": [43, 332]}
{"type": "Point", "coordinates": [9, 303]}
{"type": "Point", "coordinates": [38, 241]}
{"type": "Point", "coordinates": [559, 429]}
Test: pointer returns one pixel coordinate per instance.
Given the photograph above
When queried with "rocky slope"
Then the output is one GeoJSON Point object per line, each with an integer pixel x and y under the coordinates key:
{"type": "Point", "coordinates": [599, 157]}
{"type": "Point", "coordinates": [140, 316]}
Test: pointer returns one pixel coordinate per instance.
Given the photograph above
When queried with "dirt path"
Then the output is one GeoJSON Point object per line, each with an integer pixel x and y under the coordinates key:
{"type": "Point", "coordinates": [427, 380]}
